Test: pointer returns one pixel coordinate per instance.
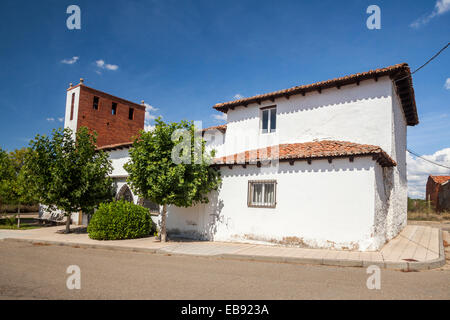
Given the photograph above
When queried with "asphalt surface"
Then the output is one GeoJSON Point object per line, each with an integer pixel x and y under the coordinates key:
{"type": "Point", "coordinates": [30, 271]}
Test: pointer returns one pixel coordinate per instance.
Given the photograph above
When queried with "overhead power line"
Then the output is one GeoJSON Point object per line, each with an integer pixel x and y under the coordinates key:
{"type": "Point", "coordinates": [421, 157]}
{"type": "Point", "coordinates": [431, 59]}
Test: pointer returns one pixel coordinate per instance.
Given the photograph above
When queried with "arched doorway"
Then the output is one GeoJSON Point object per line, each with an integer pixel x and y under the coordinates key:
{"type": "Point", "coordinates": [125, 194]}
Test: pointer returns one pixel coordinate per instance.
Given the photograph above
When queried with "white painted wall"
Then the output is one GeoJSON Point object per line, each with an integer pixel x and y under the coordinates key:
{"type": "Point", "coordinates": [118, 159]}
{"type": "Point", "coordinates": [324, 205]}
{"type": "Point", "coordinates": [72, 124]}
{"type": "Point", "coordinates": [398, 202]}
{"type": "Point", "coordinates": [360, 114]}
{"type": "Point", "coordinates": [215, 139]}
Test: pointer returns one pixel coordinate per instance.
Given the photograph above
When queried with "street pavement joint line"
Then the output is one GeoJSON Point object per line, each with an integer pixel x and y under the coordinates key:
{"type": "Point", "coordinates": [419, 245]}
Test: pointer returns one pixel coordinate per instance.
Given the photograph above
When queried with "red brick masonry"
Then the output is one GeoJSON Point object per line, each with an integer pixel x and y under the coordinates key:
{"type": "Point", "coordinates": [111, 129]}
{"type": "Point", "coordinates": [326, 149]}
{"type": "Point", "coordinates": [434, 185]}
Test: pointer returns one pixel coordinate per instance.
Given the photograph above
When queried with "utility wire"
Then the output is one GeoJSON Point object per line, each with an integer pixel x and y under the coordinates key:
{"type": "Point", "coordinates": [432, 58]}
{"type": "Point", "coordinates": [419, 156]}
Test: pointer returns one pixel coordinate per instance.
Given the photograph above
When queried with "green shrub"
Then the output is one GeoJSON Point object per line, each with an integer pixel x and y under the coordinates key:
{"type": "Point", "coordinates": [8, 221]}
{"type": "Point", "coordinates": [120, 220]}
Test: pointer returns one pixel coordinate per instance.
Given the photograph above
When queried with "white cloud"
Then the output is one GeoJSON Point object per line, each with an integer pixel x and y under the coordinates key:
{"type": "Point", "coordinates": [238, 96]}
{"type": "Point", "coordinates": [51, 119]}
{"type": "Point", "coordinates": [441, 7]}
{"type": "Point", "coordinates": [149, 116]}
{"type": "Point", "coordinates": [419, 170]}
{"type": "Point", "coordinates": [150, 108]}
{"type": "Point", "coordinates": [447, 84]}
{"type": "Point", "coordinates": [220, 117]}
{"type": "Point", "coordinates": [70, 61]}
{"type": "Point", "coordinates": [102, 65]}
{"type": "Point", "coordinates": [111, 67]}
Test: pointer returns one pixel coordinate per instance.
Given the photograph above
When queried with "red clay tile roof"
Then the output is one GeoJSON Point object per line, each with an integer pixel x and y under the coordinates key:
{"type": "Point", "coordinates": [222, 128]}
{"type": "Point", "coordinates": [440, 179]}
{"type": "Point", "coordinates": [399, 73]}
{"type": "Point", "coordinates": [115, 146]}
{"type": "Point", "coordinates": [309, 151]}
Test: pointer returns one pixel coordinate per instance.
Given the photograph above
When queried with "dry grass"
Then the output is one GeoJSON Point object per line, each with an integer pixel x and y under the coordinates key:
{"type": "Point", "coordinates": [428, 216]}
{"type": "Point", "coordinates": [421, 210]}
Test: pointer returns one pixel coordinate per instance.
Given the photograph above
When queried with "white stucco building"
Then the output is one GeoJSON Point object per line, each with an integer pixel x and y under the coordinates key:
{"type": "Point", "coordinates": [319, 165]}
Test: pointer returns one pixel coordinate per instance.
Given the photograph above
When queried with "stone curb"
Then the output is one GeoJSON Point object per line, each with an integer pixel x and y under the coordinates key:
{"type": "Point", "coordinates": [394, 265]}
{"type": "Point", "coordinates": [432, 264]}
{"type": "Point", "coordinates": [83, 245]}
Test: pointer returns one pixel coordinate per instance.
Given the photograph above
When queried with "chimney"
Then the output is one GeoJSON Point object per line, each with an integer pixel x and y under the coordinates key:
{"type": "Point", "coordinates": [81, 80]}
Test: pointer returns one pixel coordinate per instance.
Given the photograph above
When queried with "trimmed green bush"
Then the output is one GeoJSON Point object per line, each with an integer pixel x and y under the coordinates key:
{"type": "Point", "coordinates": [120, 220]}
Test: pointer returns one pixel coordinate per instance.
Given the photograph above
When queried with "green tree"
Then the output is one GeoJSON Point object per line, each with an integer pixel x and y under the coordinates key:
{"type": "Point", "coordinates": [156, 172]}
{"type": "Point", "coordinates": [67, 172]}
{"type": "Point", "coordinates": [19, 191]}
{"type": "Point", "coordinates": [6, 175]}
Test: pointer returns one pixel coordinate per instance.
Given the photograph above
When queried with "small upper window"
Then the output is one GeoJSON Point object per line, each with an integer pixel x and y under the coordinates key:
{"type": "Point", "coordinates": [130, 114]}
{"type": "Point", "coordinates": [114, 109]}
{"type": "Point", "coordinates": [95, 103]}
{"type": "Point", "coordinates": [269, 120]}
{"type": "Point", "coordinates": [262, 193]}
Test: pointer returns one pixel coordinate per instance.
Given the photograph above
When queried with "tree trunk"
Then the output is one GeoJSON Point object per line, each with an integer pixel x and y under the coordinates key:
{"type": "Point", "coordinates": [163, 224]}
{"type": "Point", "coordinates": [18, 216]}
{"type": "Point", "coordinates": [68, 224]}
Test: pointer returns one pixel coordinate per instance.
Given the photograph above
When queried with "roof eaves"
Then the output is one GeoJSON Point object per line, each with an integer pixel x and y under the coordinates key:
{"type": "Point", "coordinates": [400, 74]}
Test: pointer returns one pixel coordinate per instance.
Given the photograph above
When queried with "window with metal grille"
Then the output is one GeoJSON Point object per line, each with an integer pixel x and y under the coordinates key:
{"type": "Point", "coordinates": [262, 194]}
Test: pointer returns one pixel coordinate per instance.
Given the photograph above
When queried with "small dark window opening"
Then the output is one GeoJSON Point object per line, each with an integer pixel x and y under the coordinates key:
{"type": "Point", "coordinates": [130, 114]}
{"type": "Point", "coordinates": [95, 104]}
{"type": "Point", "coordinates": [71, 106]}
{"type": "Point", "coordinates": [114, 109]}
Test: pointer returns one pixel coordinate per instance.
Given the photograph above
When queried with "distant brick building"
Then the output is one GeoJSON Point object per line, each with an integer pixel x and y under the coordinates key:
{"type": "Point", "coordinates": [438, 192]}
{"type": "Point", "coordinates": [116, 120]}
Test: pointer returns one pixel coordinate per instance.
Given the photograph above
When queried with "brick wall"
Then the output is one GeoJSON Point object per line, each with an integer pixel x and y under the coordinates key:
{"type": "Point", "coordinates": [111, 129]}
{"type": "Point", "coordinates": [444, 197]}
{"type": "Point", "coordinates": [432, 191]}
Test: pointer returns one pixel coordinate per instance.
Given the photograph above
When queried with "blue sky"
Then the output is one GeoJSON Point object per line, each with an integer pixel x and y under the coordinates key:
{"type": "Point", "coordinates": [182, 57]}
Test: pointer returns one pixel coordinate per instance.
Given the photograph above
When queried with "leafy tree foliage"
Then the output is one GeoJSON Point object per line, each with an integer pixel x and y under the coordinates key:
{"type": "Point", "coordinates": [6, 175]}
{"type": "Point", "coordinates": [67, 172]}
{"type": "Point", "coordinates": [13, 187]}
{"type": "Point", "coordinates": [155, 175]}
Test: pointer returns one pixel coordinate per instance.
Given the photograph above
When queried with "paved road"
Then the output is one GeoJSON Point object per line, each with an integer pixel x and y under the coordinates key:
{"type": "Point", "coordinates": [39, 272]}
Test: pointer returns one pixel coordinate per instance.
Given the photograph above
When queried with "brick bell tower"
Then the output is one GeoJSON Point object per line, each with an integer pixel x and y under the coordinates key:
{"type": "Point", "coordinates": [115, 120]}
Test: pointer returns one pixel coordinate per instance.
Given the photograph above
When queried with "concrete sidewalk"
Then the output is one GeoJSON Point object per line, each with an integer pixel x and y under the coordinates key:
{"type": "Point", "coordinates": [415, 248]}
